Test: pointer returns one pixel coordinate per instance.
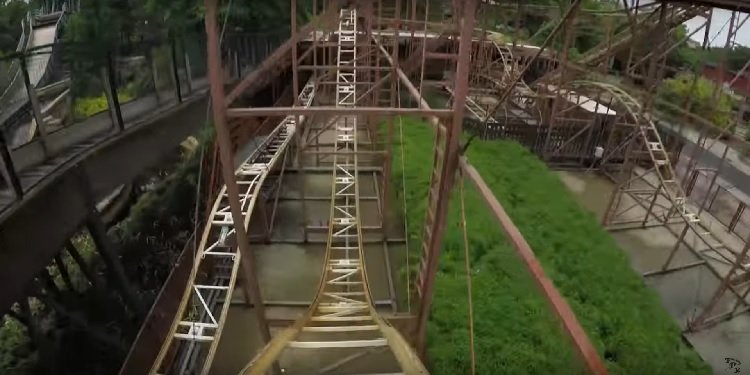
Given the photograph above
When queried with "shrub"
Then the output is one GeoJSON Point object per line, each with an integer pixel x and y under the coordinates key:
{"type": "Point", "coordinates": [515, 331]}
{"type": "Point", "coordinates": [16, 355]}
{"type": "Point", "coordinates": [677, 91]}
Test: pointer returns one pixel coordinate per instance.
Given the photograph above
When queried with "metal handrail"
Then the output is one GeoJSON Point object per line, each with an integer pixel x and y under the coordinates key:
{"type": "Point", "coordinates": [14, 99]}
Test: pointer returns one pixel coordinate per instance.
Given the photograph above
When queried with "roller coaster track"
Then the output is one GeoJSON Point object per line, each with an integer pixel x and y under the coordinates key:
{"type": "Point", "coordinates": [652, 145]}
{"type": "Point", "coordinates": [342, 324]}
{"type": "Point", "coordinates": [194, 335]}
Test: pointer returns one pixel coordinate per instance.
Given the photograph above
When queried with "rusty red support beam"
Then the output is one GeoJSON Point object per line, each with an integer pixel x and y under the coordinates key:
{"type": "Point", "coordinates": [336, 111]}
{"type": "Point", "coordinates": [568, 15]}
{"type": "Point", "coordinates": [247, 259]}
{"type": "Point", "coordinates": [583, 346]}
{"type": "Point", "coordinates": [279, 60]}
{"type": "Point", "coordinates": [447, 171]}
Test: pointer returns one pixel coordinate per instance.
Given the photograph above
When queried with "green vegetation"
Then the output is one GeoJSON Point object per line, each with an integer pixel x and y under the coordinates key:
{"type": "Point", "coordinates": [12, 12]}
{"type": "Point", "coordinates": [15, 348]}
{"type": "Point", "coordinates": [537, 23]}
{"type": "Point", "coordinates": [160, 224]}
{"type": "Point", "coordinates": [736, 59]}
{"type": "Point", "coordinates": [87, 107]}
{"type": "Point", "coordinates": [706, 99]}
{"type": "Point", "coordinates": [149, 241]}
{"type": "Point", "coordinates": [515, 332]}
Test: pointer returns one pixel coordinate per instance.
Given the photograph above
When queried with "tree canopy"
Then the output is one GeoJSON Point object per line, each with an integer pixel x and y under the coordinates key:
{"type": "Point", "coordinates": [12, 12]}
{"type": "Point", "coordinates": [706, 100]}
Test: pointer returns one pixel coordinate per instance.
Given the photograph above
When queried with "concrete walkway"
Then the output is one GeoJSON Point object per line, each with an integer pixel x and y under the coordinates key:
{"type": "Point", "coordinates": [683, 293]}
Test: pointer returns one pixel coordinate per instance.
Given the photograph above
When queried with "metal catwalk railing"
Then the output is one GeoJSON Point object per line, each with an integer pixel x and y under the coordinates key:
{"type": "Point", "coordinates": [195, 332]}
{"type": "Point", "coordinates": [342, 325]}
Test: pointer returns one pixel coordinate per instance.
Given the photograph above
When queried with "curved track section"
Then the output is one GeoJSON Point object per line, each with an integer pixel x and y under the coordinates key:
{"type": "Point", "coordinates": [40, 33]}
{"type": "Point", "coordinates": [194, 336]}
{"type": "Point", "coordinates": [649, 142]}
{"type": "Point", "coordinates": [342, 329]}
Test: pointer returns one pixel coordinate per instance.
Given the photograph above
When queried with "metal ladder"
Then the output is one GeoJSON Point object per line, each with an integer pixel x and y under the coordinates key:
{"type": "Point", "coordinates": [342, 317]}
{"type": "Point", "coordinates": [432, 196]}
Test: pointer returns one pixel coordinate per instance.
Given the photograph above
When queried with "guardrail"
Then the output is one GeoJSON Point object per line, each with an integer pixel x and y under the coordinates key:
{"type": "Point", "coordinates": [137, 81]}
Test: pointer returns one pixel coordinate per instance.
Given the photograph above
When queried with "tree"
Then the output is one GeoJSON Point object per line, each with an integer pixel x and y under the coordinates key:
{"type": "Point", "coordinates": [174, 16]}
{"type": "Point", "coordinates": [12, 12]}
{"type": "Point", "coordinates": [93, 31]}
{"type": "Point", "coordinates": [90, 36]}
{"type": "Point", "coordinates": [714, 106]}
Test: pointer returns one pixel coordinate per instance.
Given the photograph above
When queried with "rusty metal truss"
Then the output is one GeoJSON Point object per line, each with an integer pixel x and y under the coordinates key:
{"type": "Point", "coordinates": [342, 319]}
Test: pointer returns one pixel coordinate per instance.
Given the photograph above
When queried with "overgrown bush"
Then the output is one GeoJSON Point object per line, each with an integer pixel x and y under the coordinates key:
{"type": "Point", "coordinates": [678, 90]}
{"type": "Point", "coordinates": [89, 106]}
{"type": "Point", "coordinates": [515, 331]}
{"type": "Point", "coordinates": [148, 241]}
{"type": "Point", "coordinates": [161, 222]}
{"type": "Point", "coordinates": [16, 355]}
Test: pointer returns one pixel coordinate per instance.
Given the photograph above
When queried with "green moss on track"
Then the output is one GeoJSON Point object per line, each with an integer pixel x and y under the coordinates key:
{"type": "Point", "coordinates": [515, 331]}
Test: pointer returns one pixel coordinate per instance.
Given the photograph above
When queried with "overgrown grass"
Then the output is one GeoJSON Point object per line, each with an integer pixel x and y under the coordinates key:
{"type": "Point", "coordinates": [515, 331]}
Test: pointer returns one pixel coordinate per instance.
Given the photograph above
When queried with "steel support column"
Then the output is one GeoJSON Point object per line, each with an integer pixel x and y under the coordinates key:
{"type": "Point", "coordinates": [252, 288]}
{"type": "Point", "coordinates": [447, 172]}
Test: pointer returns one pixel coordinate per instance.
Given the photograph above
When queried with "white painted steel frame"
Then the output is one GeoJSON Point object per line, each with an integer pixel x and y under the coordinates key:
{"type": "Point", "coordinates": [200, 319]}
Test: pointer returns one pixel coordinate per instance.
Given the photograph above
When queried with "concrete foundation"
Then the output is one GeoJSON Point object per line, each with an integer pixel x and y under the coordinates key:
{"type": "Point", "coordinates": [683, 293]}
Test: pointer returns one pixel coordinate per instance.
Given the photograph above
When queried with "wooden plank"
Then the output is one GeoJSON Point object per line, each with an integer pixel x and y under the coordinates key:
{"type": "Point", "coordinates": [341, 328]}
{"type": "Point", "coordinates": [338, 344]}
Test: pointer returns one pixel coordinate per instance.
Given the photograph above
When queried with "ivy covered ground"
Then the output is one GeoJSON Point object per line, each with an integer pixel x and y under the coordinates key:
{"type": "Point", "coordinates": [515, 331]}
